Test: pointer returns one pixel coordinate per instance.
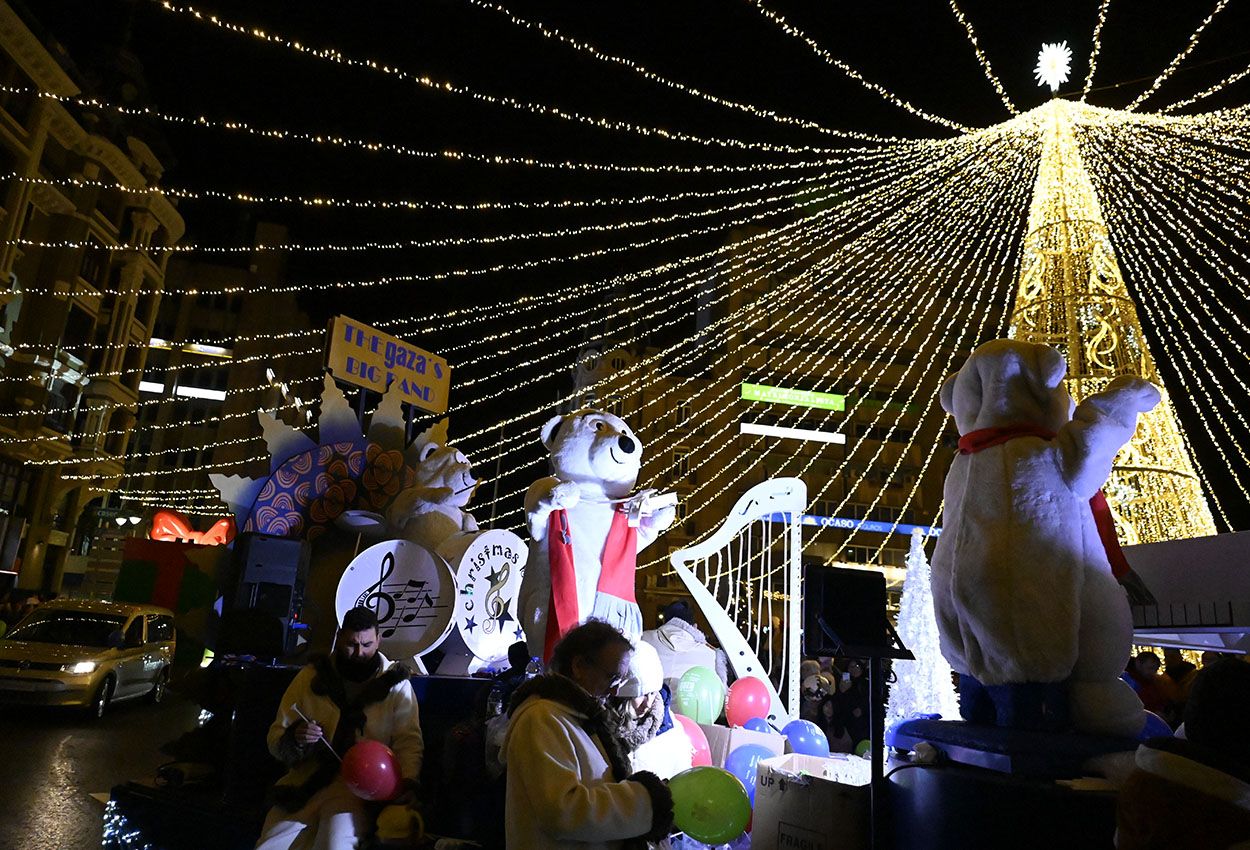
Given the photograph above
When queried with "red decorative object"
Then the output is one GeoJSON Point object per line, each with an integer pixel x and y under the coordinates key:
{"type": "Point", "coordinates": [171, 526]}
{"type": "Point", "coordinates": [748, 698]}
{"type": "Point", "coordinates": [370, 771]}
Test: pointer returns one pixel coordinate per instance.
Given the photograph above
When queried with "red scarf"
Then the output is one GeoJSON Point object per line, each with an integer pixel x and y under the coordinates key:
{"type": "Point", "coordinates": [975, 441]}
{"type": "Point", "coordinates": [616, 578]}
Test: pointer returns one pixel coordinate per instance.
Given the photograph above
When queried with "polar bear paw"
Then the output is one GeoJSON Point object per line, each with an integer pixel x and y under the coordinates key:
{"type": "Point", "coordinates": [564, 495]}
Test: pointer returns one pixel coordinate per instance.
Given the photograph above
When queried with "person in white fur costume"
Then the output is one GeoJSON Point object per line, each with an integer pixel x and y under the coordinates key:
{"type": "Point", "coordinates": [585, 547]}
{"type": "Point", "coordinates": [680, 645]}
{"type": "Point", "coordinates": [644, 721]}
{"type": "Point", "coordinates": [1028, 609]}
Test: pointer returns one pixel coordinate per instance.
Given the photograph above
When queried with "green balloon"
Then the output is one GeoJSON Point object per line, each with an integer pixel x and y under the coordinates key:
{"type": "Point", "coordinates": [700, 695]}
{"type": "Point", "coordinates": [709, 804]}
{"type": "Point", "coordinates": [862, 747]}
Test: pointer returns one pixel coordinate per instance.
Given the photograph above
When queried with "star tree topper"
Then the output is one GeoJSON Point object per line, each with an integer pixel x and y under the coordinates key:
{"type": "Point", "coordinates": [1053, 64]}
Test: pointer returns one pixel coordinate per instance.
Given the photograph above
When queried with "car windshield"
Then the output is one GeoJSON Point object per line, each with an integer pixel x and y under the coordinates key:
{"type": "Point", "coordinates": [72, 628]}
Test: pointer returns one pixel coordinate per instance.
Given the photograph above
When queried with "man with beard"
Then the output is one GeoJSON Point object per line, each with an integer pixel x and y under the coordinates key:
{"type": "Point", "coordinates": [352, 695]}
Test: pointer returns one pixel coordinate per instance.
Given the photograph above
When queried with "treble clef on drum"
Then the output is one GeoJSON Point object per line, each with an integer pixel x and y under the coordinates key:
{"type": "Point", "coordinates": [375, 595]}
{"type": "Point", "coordinates": [494, 605]}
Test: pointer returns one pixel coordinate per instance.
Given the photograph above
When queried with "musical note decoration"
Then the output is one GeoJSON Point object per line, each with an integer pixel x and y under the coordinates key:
{"type": "Point", "coordinates": [411, 590]}
{"type": "Point", "coordinates": [488, 572]}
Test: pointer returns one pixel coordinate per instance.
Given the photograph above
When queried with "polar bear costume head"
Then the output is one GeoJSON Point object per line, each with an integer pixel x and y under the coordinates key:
{"type": "Point", "coordinates": [433, 507]}
{"type": "Point", "coordinates": [1008, 382]}
{"type": "Point", "coordinates": [446, 466]}
{"type": "Point", "coordinates": [596, 448]}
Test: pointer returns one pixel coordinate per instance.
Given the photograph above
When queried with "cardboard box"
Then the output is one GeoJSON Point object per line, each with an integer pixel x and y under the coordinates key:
{"type": "Point", "coordinates": [722, 740]}
{"type": "Point", "coordinates": [811, 803]}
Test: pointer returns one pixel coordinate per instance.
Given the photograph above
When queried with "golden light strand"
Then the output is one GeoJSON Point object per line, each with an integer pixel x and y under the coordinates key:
{"type": "Point", "coordinates": [983, 59]}
{"type": "Point", "coordinates": [1180, 57]}
{"type": "Point", "coordinates": [1095, 48]}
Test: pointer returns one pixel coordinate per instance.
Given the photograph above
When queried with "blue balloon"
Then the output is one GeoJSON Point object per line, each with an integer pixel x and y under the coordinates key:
{"type": "Point", "coordinates": [743, 762]}
{"type": "Point", "coordinates": [757, 724]}
{"type": "Point", "coordinates": [1156, 727]}
{"type": "Point", "coordinates": [807, 738]}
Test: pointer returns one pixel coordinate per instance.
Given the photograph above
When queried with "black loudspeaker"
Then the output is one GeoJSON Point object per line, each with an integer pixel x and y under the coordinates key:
{"type": "Point", "coordinates": [843, 611]}
{"type": "Point", "coordinates": [267, 595]}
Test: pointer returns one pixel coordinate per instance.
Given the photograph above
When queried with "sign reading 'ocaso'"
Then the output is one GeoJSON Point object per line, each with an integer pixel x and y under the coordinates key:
{"type": "Point", "coordinates": [369, 358]}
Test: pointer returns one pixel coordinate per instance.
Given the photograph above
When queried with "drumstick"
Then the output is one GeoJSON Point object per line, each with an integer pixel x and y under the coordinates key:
{"type": "Point", "coordinates": [322, 739]}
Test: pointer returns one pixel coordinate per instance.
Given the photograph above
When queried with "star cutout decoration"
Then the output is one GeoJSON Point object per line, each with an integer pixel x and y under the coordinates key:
{"type": "Point", "coordinates": [493, 577]}
{"type": "Point", "coordinates": [519, 634]}
{"type": "Point", "coordinates": [503, 615]}
{"type": "Point", "coordinates": [470, 625]}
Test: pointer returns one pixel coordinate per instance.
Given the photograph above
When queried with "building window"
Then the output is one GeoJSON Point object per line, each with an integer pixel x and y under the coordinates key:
{"type": "Point", "coordinates": [94, 260]}
{"type": "Point", "coordinates": [681, 464]}
{"type": "Point", "coordinates": [859, 554]}
{"type": "Point", "coordinates": [682, 412]}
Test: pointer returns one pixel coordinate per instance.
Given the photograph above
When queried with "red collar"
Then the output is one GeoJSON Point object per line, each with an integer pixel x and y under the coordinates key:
{"type": "Point", "coordinates": [983, 438]}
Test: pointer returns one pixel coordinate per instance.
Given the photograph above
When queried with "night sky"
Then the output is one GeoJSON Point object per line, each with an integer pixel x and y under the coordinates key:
{"type": "Point", "coordinates": [917, 50]}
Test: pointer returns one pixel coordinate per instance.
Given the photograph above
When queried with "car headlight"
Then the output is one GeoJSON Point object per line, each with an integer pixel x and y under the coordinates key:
{"type": "Point", "coordinates": [80, 668]}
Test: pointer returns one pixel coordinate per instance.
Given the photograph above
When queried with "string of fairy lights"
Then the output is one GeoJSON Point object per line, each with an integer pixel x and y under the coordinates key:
{"type": "Point", "coordinates": [874, 265]}
{"type": "Point", "coordinates": [646, 73]}
{"type": "Point", "coordinates": [856, 212]}
{"type": "Point", "coordinates": [206, 467]}
{"type": "Point", "coordinates": [496, 373]}
{"type": "Point", "coordinates": [847, 360]}
{"type": "Point", "coordinates": [778, 367]}
{"type": "Point", "coordinates": [258, 356]}
{"type": "Point", "coordinates": [1155, 306]}
{"type": "Point", "coordinates": [789, 29]}
{"type": "Point", "coordinates": [983, 59]}
{"type": "Point", "coordinates": [1095, 49]}
{"type": "Point", "coordinates": [338, 57]}
{"type": "Point", "coordinates": [1180, 57]}
{"type": "Point", "coordinates": [846, 357]}
{"type": "Point", "coordinates": [1162, 300]}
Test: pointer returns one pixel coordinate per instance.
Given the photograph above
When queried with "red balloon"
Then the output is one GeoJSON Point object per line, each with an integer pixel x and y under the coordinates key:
{"type": "Point", "coordinates": [370, 771]}
{"type": "Point", "coordinates": [748, 698]}
{"type": "Point", "coordinates": [702, 752]}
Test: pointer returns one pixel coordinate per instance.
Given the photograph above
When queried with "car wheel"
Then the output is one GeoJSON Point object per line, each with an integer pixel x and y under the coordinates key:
{"type": "Point", "coordinates": [103, 696]}
{"type": "Point", "coordinates": [158, 690]}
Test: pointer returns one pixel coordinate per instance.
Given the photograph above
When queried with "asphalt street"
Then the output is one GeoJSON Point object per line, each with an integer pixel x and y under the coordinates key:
{"type": "Point", "coordinates": [53, 761]}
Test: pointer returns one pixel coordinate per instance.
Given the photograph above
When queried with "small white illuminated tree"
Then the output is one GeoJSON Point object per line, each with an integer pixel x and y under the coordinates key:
{"type": "Point", "coordinates": [923, 686]}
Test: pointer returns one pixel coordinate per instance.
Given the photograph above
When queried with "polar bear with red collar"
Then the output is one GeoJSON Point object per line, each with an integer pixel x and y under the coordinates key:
{"type": "Point", "coordinates": [1025, 588]}
{"type": "Point", "coordinates": [586, 530]}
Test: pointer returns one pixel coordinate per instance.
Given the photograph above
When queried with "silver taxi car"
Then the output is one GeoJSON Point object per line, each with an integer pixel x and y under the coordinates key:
{"type": "Point", "coordinates": [87, 654]}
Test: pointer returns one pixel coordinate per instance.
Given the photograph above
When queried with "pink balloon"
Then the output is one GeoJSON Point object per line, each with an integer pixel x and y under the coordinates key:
{"type": "Point", "coordinates": [370, 771]}
{"type": "Point", "coordinates": [702, 752]}
{"type": "Point", "coordinates": [748, 698]}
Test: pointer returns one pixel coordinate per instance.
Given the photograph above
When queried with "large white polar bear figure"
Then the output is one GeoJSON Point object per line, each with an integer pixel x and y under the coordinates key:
{"type": "Point", "coordinates": [1028, 609]}
{"type": "Point", "coordinates": [584, 546]}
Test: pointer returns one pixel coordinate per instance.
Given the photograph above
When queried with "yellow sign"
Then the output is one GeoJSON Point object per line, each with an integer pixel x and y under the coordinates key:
{"type": "Point", "coordinates": [368, 358]}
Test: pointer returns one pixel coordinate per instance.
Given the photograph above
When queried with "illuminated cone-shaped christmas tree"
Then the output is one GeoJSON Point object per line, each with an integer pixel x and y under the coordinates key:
{"type": "Point", "coordinates": [1072, 296]}
{"type": "Point", "coordinates": [923, 686]}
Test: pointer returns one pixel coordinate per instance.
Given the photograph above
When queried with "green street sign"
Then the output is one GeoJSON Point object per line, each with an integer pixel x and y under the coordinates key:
{"type": "Point", "coordinates": [797, 398]}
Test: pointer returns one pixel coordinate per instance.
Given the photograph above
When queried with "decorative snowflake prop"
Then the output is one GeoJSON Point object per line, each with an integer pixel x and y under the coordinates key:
{"type": "Point", "coordinates": [1053, 64]}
